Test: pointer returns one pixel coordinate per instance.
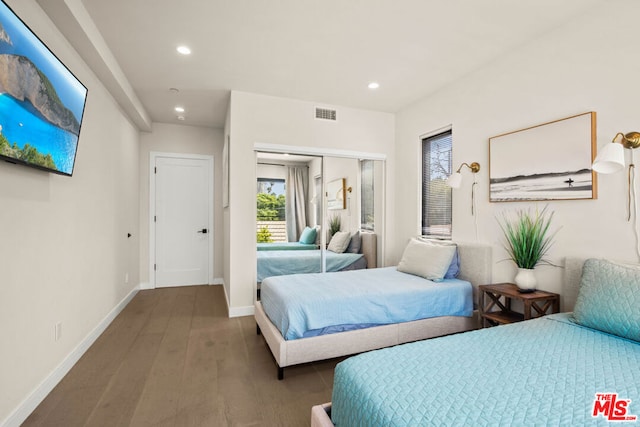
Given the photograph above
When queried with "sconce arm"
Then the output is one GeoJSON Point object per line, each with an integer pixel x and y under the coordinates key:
{"type": "Point", "coordinates": [475, 167]}
{"type": "Point", "coordinates": [628, 140]}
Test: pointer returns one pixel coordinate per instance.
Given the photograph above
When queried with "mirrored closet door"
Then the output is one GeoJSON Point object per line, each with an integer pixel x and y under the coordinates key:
{"type": "Point", "coordinates": [318, 213]}
{"type": "Point", "coordinates": [288, 220]}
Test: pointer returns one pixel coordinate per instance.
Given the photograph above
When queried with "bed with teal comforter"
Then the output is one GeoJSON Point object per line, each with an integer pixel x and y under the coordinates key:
{"type": "Point", "coordinates": [286, 246]}
{"type": "Point", "coordinates": [280, 263]}
{"type": "Point", "coordinates": [304, 305]}
{"type": "Point", "coordinates": [566, 369]}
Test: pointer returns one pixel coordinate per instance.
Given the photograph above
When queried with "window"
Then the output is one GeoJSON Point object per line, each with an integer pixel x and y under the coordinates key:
{"type": "Point", "coordinates": [270, 203]}
{"type": "Point", "coordinates": [366, 195]}
{"type": "Point", "coordinates": [436, 195]}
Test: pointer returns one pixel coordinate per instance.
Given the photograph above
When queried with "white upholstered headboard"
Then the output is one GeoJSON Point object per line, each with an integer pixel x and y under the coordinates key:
{"type": "Point", "coordinates": [476, 264]}
{"type": "Point", "coordinates": [571, 282]}
{"type": "Point", "coordinates": [370, 248]}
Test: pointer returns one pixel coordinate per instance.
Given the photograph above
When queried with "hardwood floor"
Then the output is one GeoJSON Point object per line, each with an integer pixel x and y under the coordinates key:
{"type": "Point", "coordinates": [173, 358]}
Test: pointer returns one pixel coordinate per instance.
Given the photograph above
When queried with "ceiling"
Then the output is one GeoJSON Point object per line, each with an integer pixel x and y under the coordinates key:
{"type": "Point", "coordinates": [321, 51]}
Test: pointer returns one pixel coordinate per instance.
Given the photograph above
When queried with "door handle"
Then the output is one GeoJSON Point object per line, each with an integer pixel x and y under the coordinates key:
{"type": "Point", "coordinates": [203, 231]}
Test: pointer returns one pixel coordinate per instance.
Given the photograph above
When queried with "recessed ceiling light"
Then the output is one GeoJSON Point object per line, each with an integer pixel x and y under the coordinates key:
{"type": "Point", "coordinates": [373, 85]}
{"type": "Point", "coordinates": [179, 109]}
{"type": "Point", "coordinates": [180, 118]}
{"type": "Point", "coordinates": [173, 90]}
{"type": "Point", "coordinates": [184, 50]}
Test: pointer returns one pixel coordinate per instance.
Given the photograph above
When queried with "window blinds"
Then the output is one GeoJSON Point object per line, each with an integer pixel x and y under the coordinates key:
{"type": "Point", "coordinates": [436, 195]}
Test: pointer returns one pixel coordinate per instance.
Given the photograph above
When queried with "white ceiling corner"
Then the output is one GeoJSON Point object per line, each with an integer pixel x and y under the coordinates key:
{"type": "Point", "coordinates": [325, 52]}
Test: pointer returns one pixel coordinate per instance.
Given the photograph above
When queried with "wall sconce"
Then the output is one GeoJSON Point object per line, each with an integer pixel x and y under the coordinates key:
{"type": "Point", "coordinates": [611, 158]}
{"type": "Point", "coordinates": [339, 194]}
{"type": "Point", "coordinates": [455, 180]}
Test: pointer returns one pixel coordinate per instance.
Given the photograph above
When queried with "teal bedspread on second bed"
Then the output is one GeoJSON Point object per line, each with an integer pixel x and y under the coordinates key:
{"type": "Point", "coordinates": [545, 371]}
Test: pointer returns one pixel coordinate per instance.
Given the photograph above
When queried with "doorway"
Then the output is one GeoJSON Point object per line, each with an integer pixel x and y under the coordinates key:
{"type": "Point", "coordinates": [181, 238]}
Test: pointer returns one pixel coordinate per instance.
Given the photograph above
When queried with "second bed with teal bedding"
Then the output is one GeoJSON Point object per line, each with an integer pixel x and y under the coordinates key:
{"type": "Point", "coordinates": [545, 371]}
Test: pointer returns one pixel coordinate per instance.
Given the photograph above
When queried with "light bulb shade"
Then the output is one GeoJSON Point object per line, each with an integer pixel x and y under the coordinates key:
{"type": "Point", "coordinates": [455, 180]}
{"type": "Point", "coordinates": [610, 159]}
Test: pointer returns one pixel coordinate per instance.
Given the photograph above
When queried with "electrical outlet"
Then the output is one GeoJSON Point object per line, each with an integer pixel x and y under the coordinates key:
{"type": "Point", "coordinates": [57, 331]}
{"type": "Point", "coordinates": [126, 278]}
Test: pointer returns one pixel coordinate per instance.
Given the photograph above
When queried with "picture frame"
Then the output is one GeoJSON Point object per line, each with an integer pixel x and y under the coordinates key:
{"type": "Point", "coordinates": [550, 161]}
{"type": "Point", "coordinates": [336, 194]}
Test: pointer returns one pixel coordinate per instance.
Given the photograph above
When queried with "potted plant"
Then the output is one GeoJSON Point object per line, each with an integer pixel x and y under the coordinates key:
{"type": "Point", "coordinates": [334, 225]}
{"type": "Point", "coordinates": [528, 240]}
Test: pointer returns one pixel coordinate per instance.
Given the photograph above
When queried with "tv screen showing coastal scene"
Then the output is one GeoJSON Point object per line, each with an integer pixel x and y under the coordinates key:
{"type": "Point", "coordinates": [41, 101]}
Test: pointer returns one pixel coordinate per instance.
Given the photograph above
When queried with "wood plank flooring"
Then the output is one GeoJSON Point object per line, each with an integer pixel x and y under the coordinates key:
{"type": "Point", "coordinates": [173, 358]}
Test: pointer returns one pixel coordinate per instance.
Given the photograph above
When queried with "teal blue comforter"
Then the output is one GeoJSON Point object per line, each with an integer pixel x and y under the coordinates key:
{"type": "Point", "coordinates": [306, 305]}
{"type": "Point", "coordinates": [279, 263]}
{"type": "Point", "coordinates": [545, 372]}
{"type": "Point", "coordinates": [286, 246]}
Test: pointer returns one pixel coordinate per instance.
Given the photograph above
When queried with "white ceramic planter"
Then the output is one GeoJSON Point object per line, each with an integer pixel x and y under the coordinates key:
{"type": "Point", "coordinates": [526, 279]}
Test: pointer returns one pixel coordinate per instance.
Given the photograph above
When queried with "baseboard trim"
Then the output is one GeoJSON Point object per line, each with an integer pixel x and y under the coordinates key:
{"type": "Point", "coordinates": [20, 414]}
{"type": "Point", "coordinates": [241, 311]}
{"type": "Point", "coordinates": [145, 285]}
{"type": "Point", "coordinates": [218, 281]}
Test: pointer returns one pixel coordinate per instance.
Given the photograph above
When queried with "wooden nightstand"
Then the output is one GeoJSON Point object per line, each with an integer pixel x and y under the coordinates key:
{"type": "Point", "coordinates": [502, 294]}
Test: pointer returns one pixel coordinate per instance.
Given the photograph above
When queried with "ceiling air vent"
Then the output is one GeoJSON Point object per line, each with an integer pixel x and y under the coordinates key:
{"type": "Point", "coordinates": [325, 114]}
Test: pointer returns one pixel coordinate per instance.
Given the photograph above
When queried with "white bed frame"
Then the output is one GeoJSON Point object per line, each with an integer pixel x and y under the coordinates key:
{"type": "Point", "coordinates": [475, 267]}
{"type": "Point", "coordinates": [321, 414]}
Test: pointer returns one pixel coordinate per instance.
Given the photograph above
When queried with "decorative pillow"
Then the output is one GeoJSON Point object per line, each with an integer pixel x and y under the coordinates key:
{"type": "Point", "coordinates": [318, 236]}
{"type": "Point", "coordinates": [308, 236]}
{"type": "Point", "coordinates": [609, 298]}
{"type": "Point", "coordinates": [339, 242]}
{"type": "Point", "coordinates": [355, 244]}
{"type": "Point", "coordinates": [426, 260]}
{"type": "Point", "coordinates": [454, 267]}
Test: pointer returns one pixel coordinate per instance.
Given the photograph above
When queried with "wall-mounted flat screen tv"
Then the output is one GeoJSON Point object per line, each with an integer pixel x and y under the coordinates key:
{"type": "Point", "coordinates": [41, 101]}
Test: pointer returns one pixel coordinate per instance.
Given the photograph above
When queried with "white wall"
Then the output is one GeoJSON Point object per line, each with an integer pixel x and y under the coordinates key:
{"type": "Point", "coordinates": [588, 64]}
{"type": "Point", "coordinates": [64, 251]}
{"type": "Point", "coordinates": [168, 138]}
{"type": "Point", "coordinates": [265, 119]}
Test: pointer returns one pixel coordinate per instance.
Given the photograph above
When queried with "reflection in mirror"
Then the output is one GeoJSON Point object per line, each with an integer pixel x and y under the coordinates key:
{"type": "Point", "coordinates": [336, 194]}
{"type": "Point", "coordinates": [287, 234]}
{"type": "Point", "coordinates": [317, 214]}
{"type": "Point", "coordinates": [358, 216]}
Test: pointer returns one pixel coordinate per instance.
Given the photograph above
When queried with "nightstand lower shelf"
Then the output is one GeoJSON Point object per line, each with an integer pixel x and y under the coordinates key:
{"type": "Point", "coordinates": [535, 304]}
{"type": "Point", "coordinates": [503, 317]}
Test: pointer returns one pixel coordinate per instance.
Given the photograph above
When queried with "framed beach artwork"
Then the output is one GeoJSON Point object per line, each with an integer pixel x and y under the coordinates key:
{"type": "Point", "coordinates": [551, 161]}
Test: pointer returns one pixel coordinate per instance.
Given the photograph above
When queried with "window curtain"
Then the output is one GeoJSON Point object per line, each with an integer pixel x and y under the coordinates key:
{"type": "Point", "coordinates": [297, 184]}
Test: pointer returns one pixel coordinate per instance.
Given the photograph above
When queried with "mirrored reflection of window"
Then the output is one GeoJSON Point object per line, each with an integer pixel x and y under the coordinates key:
{"type": "Point", "coordinates": [367, 205]}
{"type": "Point", "coordinates": [270, 204]}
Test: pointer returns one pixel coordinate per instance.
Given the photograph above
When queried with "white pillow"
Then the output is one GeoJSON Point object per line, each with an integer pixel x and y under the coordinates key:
{"type": "Point", "coordinates": [426, 260]}
{"type": "Point", "coordinates": [339, 242]}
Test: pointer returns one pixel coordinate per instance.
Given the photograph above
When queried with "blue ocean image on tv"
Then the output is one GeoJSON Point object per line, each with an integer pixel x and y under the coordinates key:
{"type": "Point", "coordinates": [48, 121]}
{"type": "Point", "coordinates": [21, 125]}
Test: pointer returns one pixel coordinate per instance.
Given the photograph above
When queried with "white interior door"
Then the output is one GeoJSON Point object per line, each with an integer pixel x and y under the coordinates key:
{"type": "Point", "coordinates": [183, 200]}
